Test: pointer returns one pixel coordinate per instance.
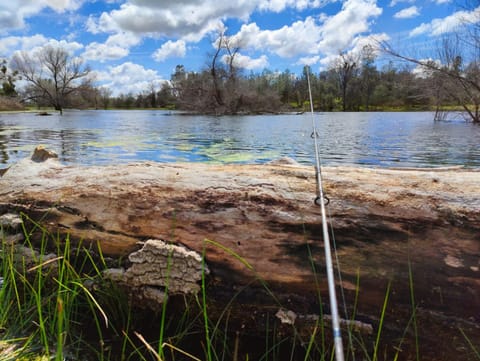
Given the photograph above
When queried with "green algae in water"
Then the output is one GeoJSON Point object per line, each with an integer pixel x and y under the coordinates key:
{"type": "Point", "coordinates": [244, 157]}
{"type": "Point", "coordinates": [225, 152]}
{"type": "Point", "coordinates": [184, 147]}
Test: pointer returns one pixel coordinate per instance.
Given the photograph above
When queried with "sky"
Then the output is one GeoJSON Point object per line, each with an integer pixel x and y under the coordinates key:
{"type": "Point", "coordinates": [133, 44]}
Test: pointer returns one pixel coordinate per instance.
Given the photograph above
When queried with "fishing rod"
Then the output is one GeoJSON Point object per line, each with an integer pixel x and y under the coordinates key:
{"type": "Point", "coordinates": [320, 200]}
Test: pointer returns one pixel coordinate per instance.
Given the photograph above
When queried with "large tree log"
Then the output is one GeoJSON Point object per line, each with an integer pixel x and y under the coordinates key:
{"type": "Point", "coordinates": [262, 223]}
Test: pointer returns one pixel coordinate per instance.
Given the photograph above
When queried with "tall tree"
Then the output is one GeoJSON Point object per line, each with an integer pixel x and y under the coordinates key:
{"type": "Point", "coordinates": [53, 74]}
{"type": "Point", "coordinates": [225, 72]}
{"type": "Point", "coordinates": [346, 68]}
{"type": "Point", "coordinates": [369, 78]}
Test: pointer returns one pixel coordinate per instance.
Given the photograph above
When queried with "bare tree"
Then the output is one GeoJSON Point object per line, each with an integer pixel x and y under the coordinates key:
{"type": "Point", "coordinates": [346, 67]}
{"type": "Point", "coordinates": [53, 74]}
{"type": "Point", "coordinates": [224, 74]}
{"type": "Point", "coordinates": [102, 96]}
{"type": "Point", "coordinates": [368, 74]}
{"type": "Point", "coordinates": [455, 74]}
{"type": "Point", "coordinates": [459, 80]}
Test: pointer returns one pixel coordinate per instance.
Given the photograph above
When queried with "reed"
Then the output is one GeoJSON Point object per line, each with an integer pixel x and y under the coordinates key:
{"type": "Point", "coordinates": [43, 295]}
{"type": "Point", "coordinates": [475, 348]}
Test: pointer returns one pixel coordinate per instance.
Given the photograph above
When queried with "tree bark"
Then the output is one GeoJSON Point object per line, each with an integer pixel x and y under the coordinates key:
{"type": "Point", "coordinates": [259, 222]}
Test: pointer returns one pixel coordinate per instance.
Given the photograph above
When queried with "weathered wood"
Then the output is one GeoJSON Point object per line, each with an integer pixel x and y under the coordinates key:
{"type": "Point", "coordinates": [383, 220]}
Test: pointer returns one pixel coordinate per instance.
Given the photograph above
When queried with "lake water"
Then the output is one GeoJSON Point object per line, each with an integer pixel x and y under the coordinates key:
{"type": "Point", "coordinates": [367, 139]}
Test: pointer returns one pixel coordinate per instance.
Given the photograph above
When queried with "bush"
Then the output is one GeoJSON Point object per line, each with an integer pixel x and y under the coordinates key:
{"type": "Point", "coordinates": [7, 103]}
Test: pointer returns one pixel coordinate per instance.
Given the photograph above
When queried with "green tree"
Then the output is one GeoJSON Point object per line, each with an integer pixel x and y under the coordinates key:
{"type": "Point", "coordinates": [7, 79]}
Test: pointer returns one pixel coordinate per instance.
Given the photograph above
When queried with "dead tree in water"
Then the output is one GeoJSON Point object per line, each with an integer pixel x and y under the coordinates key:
{"type": "Point", "coordinates": [53, 74]}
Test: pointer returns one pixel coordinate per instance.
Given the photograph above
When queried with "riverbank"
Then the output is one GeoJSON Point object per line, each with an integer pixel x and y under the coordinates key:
{"type": "Point", "coordinates": [262, 224]}
{"type": "Point", "coordinates": [8, 104]}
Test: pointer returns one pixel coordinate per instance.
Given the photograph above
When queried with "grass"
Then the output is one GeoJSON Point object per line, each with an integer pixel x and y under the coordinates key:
{"type": "Point", "coordinates": [58, 306]}
{"type": "Point", "coordinates": [44, 296]}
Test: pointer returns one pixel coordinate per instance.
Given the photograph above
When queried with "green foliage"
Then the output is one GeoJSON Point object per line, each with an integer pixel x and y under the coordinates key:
{"type": "Point", "coordinates": [7, 80]}
{"type": "Point", "coordinates": [44, 296]}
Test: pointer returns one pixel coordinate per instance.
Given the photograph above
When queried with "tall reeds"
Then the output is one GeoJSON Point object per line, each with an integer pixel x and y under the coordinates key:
{"type": "Point", "coordinates": [44, 295]}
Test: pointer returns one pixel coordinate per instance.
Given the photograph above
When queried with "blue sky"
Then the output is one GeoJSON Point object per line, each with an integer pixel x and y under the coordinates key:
{"type": "Point", "coordinates": [131, 44]}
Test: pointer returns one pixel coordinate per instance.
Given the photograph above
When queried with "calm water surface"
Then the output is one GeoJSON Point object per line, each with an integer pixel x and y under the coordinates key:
{"type": "Point", "coordinates": [369, 139]}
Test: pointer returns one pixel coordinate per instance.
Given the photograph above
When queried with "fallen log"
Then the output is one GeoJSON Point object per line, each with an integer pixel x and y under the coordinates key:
{"type": "Point", "coordinates": [260, 223]}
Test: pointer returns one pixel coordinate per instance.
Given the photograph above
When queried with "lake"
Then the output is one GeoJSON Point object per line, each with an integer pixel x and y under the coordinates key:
{"type": "Point", "coordinates": [381, 139]}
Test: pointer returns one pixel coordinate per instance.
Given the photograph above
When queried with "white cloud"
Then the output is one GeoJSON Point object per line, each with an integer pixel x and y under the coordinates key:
{"type": "Point", "coordinates": [407, 13]}
{"type": "Point", "coordinates": [248, 63]}
{"type": "Point", "coordinates": [280, 5]}
{"type": "Point", "coordinates": [170, 49]}
{"type": "Point", "coordinates": [14, 12]}
{"type": "Point", "coordinates": [123, 39]}
{"type": "Point", "coordinates": [189, 20]}
{"type": "Point", "coordinates": [448, 24]}
{"type": "Point", "coordinates": [11, 43]}
{"type": "Point", "coordinates": [104, 52]}
{"type": "Point", "coordinates": [70, 46]}
{"type": "Point", "coordinates": [309, 60]}
{"type": "Point", "coordinates": [395, 2]}
{"type": "Point", "coordinates": [340, 30]}
{"type": "Point", "coordinates": [299, 38]}
{"type": "Point", "coordinates": [117, 46]}
{"type": "Point", "coordinates": [31, 44]}
{"type": "Point", "coordinates": [186, 18]}
{"type": "Point", "coordinates": [62, 5]}
{"type": "Point", "coordinates": [128, 78]}
{"type": "Point", "coordinates": [309, 37]}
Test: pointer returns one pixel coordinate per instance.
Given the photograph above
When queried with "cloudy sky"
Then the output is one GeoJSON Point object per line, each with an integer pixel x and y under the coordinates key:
{"type": "Point", "coordinates": [132, 43]}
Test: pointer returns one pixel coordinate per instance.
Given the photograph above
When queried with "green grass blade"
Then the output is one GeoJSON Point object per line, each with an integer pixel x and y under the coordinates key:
{"type": "Point", "coordinates": [382, 318]}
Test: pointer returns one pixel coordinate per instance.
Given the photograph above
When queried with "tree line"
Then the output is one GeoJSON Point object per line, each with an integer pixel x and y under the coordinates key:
{"type": "Point", "coordinates": [353, 82]}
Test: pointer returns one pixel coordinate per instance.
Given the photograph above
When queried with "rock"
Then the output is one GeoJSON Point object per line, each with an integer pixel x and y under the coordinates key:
{"type": "Point", "coordinates": [11, 238]}
{"type": "Point", "coordinates": [115, 274]}
{"type": "Point", "coordinates": [40, 154]}
{"type": "Point", "coordinates": [10, 228]}
{"type": "Point", "coordinates": [28, 258]}
{"type": "Point", "coordinates": [10, 221]}
{"type": "Point", "coordinates": [286, 316]}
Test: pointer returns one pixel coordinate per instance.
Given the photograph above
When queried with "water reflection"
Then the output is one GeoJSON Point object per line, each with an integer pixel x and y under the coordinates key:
{"type": "Point", "coordinates": [372, 139]}
{"type": "Point", "coordinates": [3, 145]}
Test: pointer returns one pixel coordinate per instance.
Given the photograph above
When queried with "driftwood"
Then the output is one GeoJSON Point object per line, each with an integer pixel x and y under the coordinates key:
{"type": "Point", "coordinates": [259, 222]}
